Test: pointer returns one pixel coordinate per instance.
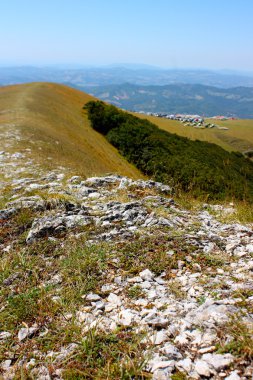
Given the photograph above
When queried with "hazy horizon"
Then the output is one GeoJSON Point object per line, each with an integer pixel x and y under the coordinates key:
{"type": "Point", "coordinates": [130, 66]}
{"type": "Point", "coordinates": [210, 35]}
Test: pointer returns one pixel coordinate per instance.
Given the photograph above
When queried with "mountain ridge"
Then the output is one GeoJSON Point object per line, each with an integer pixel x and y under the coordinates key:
{"type": "Point", "coordinates": [49, 118]}
{"type": "Point", "coordinates": [178, 98]}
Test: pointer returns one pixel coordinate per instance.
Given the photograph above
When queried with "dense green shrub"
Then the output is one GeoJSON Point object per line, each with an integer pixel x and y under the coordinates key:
{"type": "Point", "coordinates": [200, 167]}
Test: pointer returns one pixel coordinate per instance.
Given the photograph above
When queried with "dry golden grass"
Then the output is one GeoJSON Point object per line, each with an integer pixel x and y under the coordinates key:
{"type": "Point", "coordinates": [51, 122]}
{"type": "Point", "coordinates": [239, 137]}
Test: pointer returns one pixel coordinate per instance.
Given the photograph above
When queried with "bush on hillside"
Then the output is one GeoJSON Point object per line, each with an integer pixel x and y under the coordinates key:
{"type": "Point", "coordinates": [200, 167]}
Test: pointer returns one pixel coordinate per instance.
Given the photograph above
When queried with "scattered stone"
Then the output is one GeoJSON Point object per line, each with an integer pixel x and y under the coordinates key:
{"type": "Point", "coordinates": [23, 333]}
{"type": "Point", "coordinates": [107, 288]}
{"type": "Point", "coordinates": [146, 275]}
{"type": "Point", "coordinates": [92, 297]}
{"type": "Point", "coordinates": [4, 335]}
{"type": "Point", "coordinates": [55, 224]}
{"type": "Point", "coordinates": [114, 301]}
{"type": "Point", "coordinates": [26, 332]}
{"type": "Point", "coordinates": [185, 365]}
{"type": "Point", "coordinates": [171, 352]}
{"type": "Point", "coordinates": [158, 337]}
{"type": "Point", "coordinates": [136, 279]}
{"type": "Point", "coordinates": [75, 179]}
{"type": "Point", "coordinates": [41, 373]}
{"type": "Point", "coordinates": [179, 323]}
{"type": "Point", "coordinates": [218, 361]}
{"type": "Point", "coordinates": [202, 368]}
{"type": "Point", "coordinates": [249, 248]}
{"type": "Point", "coordinates": [211, 312]}
{"type": "Point", "coordinates": [56, 279]}
{"type": "Point", "coordinates": [6, 364]}
{"type": "Point", "coordinates": [233, 376]}
{"type": "Point", "coordinates": [126, 317]}
{"type": "Point", "coordinates": [100, 305]}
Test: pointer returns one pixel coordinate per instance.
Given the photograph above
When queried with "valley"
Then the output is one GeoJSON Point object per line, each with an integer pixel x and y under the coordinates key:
{"type": "Point", "coordinates": [178, 98]}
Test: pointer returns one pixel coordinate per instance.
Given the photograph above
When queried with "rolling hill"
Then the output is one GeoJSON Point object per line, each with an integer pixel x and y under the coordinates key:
{"type": "Point", "coordinates": [178, 98]}
{"type": "Point", "coordinates": [49, 120]}
{"type": "Point", "coordinates": [238, 137]}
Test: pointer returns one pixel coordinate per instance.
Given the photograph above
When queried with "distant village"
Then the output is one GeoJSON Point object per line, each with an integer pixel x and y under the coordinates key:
{"type": "Point", "coordinates": [195, 121]}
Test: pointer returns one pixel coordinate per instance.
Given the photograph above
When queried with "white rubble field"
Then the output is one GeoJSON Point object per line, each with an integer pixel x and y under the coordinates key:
{"type": "Point", "coordinates": [181, 331]}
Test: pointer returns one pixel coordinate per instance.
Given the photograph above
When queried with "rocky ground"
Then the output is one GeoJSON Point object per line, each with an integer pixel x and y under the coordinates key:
{"type": "Point", "coordinates": [110, 278]}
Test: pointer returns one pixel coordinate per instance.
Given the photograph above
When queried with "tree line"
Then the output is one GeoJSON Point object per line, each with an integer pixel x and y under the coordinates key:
{"type": "Point", "coordinates": [202, 168]}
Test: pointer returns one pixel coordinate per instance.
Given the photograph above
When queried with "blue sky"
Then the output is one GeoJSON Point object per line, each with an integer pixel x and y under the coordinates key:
{"type": "Point", "coordinates": [212, 34]}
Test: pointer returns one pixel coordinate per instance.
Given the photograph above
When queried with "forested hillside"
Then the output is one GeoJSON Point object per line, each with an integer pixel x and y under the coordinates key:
{"type": "Point", "coordinates": [203, 168]}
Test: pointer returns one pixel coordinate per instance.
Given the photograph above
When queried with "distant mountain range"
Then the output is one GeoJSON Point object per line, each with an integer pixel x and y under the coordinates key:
{"type": "Point", "coordinates": [178, 98]}
{"type": "Point", "coordinates": [147, 88]}
{"type": "Point", "coordinates": [135, 74]}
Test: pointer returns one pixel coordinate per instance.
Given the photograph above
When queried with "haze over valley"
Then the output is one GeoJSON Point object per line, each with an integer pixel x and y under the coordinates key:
{"type": "Point", "coordinates": [201, 92]}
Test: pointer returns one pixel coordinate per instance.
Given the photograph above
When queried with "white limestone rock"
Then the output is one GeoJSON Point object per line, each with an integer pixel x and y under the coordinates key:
{"type": "Point", "coordinates": [170, 351]}
{"type": "Point", "coordinates": [249, 248]}
{"type": "Point", "coordinates": [158, 337]}
{"type": "Point", "coordinates": [233, 376]}
{"type": "Point", "coordinates": [202, 368]}
{"type": "Point", "coordinates": [146, 275]}
{"type": "Point", "coordinates": [4, 335]}
{"type": "Point", "coordinates": [218, 361]}
{"type": "Point", "coordinates": [126, 317]}
{"type": "Point", "coordinates": [185, 364]}
{"type": "Point", "coordinates": [26, 332]}
{"type": "Point", "coordinates": [92, 297]}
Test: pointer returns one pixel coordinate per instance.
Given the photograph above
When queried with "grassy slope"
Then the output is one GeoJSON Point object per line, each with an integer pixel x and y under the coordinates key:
{"type": "Point", "coordinates": [239, 137]}
{"type": "Point", "coordinates": [51, 122]}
